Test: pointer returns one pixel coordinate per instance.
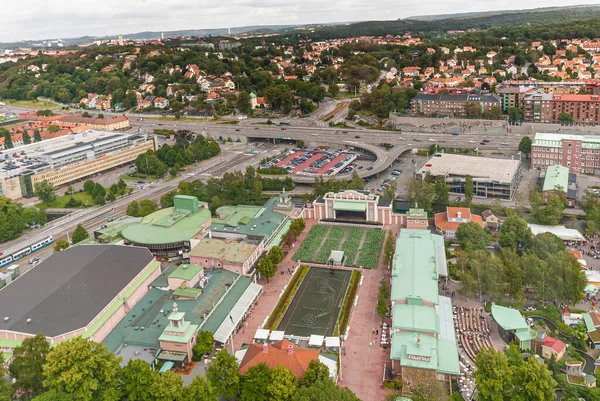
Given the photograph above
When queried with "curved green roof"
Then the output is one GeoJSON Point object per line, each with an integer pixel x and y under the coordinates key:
{"type": "Point", "coordinates": [152, 230]}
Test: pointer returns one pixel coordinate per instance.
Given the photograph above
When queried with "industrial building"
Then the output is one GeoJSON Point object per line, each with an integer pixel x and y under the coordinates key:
{"type": "Point", "coordinates": [82, 291]}
{"type": "Point", "coordinates": [66, 159]}
{"type": "Point", "coordinates": [579, 153]}
{"type": "Point", "coordinates": [352, 206]}
{"type": "Point", "coordinates": [423, 340]}
{"type": "Point", "coordinates": [492, 177]}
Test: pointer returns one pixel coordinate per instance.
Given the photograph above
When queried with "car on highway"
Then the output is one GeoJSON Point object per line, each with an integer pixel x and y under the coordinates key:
{"type": "Point", "coordinates": [472, 141]}
{"type": "Point", "coordinates": [400, 139]}
{"type": "Point", "coordinates": [504, 144]}
{"type": "Point", "coordinates": [141, 182]}
{"type": "Point", "coordinates": [370, 168]}
{"type": "Point", "coordinates": [431, 140]}
{"type": "Point", "coordinates": [344, 132]}
{"type": "Point", "coordinates": [418, 140]}
{"type": "Point", "coordinates": [482, 143]}
{"type": "Point", "coordinates": [486, 140]}
{"type": "Point", "coordinates": [237, 129]}
{"type": "Point", "coordinates": [356, 136]}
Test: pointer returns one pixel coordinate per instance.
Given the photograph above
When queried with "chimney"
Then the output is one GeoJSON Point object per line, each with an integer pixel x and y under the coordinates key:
{"type": "Point", "coordinates": [265, 348]}
{"type": "Point", "coordinates": [290, 349]}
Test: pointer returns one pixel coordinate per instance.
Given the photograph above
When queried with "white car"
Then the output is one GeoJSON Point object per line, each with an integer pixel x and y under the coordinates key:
{"type": "Point", "coordinates": [431, 140]}
{"type": "Point", "coordinates": [400, 139]}
{"type": "Point", "coordinates": [472, 141]}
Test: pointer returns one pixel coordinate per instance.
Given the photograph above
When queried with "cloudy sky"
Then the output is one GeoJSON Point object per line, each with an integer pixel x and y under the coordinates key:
{"type": "Point", "coordinates": [41, 19]}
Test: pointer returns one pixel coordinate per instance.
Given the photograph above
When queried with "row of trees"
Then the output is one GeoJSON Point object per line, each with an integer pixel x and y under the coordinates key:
{"type": "Point", "coordinates": [541, 264]}
{"type": "Point", "coordinates": [142, 208]}
{"type": "Point", "coordinates": [81, 370]}
{"type": "Point", "coordinates": [429, 190]}
{"type": "Point", "coordinates": [14, 218]}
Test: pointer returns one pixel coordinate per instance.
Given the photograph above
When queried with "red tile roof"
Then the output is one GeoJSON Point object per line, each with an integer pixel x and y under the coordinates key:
{"type": "Point", "coordinates": [278, 354]}
{"type": "Point", "coordinates": [554, 344]}
{"type": "Point", "coordinates": [441, 219]}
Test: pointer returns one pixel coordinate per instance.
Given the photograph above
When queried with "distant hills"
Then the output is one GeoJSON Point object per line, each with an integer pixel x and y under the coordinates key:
{"type": "Point", "coordinates": [478, 14]}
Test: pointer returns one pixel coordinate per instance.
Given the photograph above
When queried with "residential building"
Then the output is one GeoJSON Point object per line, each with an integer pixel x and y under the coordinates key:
{"type": "Point", "coordinates": [446, 223]}
{"type": "Point", "coordinates": [115, 123]}
{"type": "Point", "coordinates": [558, 180]}
{"type": "Point", "coordinates": [353, 206]}
{"type": "Point", "coordinates": [513, 96]}
{"type": "Point", "coordinates": [537, 107]}
{"type": "Point", "coordinates": [491, 177]}
{"type": "Point", "coordinates": [558, 87]}
{"type": "Point", "coordinates": [513, 326]}
{"type": "Point", "coordinates": [423, 341]}
{"type": "Point", "coordinates": [490, 220]}
{"type": "Point", "coordinates": [449, 105]}
{"type": "Point", "coordinates": [161, 103]}
{"type": "Point", "coordinates": [416, 219]}
{"type": "Point", "coordinates": [553, 347]}
{"type": "Point", "coordinates": [579, 153]}
{"type": "Point", "coordinates": [583, 108]}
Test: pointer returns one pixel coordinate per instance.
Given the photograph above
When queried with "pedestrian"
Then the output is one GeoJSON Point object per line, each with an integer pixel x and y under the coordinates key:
{"type": "Point", "coordinates": [373, 331]}
{"type": "Point", "coordinates": [377, 332]}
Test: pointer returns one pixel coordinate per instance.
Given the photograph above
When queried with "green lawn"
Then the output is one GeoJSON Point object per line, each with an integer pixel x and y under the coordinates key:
{"type": "Point", "coordinates": [34, 104]}
{"type": "Point", "coordinates": [83, 197]}
{"type": "Point", "coordinates": [134, 177]}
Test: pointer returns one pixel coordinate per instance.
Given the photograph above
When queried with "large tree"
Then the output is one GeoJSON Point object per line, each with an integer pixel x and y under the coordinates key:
{"type": "Point", "coordinates": [533, 382]}
{"type": "Point", "coordinates": [255, 383]}
{"type": "Point", "coordinates": [316, 372]}
{"type": "Point", "coordinates": [421, 193]}
{"type": "Point", "coordinates": [199, 390]}
{"type": "Point", "coordinates": [471, 236]}
{"type": "Point", "coordinates": [388, 248]}
{"type": "Point", "coordinates": [469, 189]}
{"type": "Point", "coordinates": [493, 375]}
{"type": "Point", "coordinates": [167, 386]}
{"type": "Point", "coordinates": [44, 190]}
{"type": "Point", "coordinates": [79, 234]}
{"type": "Point", "coordinates": [324, 391]}
{"type": "Point", "coordinates": [525, 146]}
{"type": "Point", "coordinates": [266, 268]}
{"type": "Point", "coordinates": [6, 389]}
{"type": "Point", "coordinates": [27, 366]}
{"type": "Point", "coordinates": [135, 380]}
{"type": "Point", "coordinates": [223, 374]}
{"type": "Point", "coordinates": [514, 232]}
{"type": "Point", "coordinates": [84, 369]}
{"type": "Point", "coordinates": [205, 343]}
{"type": "Point", "coordinates": [283, 384]}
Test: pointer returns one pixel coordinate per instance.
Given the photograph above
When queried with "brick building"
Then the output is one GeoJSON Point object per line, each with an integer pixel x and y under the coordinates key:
{"type": "Point", "coordinates": [452, 106]}
{"type": "Point", "coordinates": [580, 153]}
{"type": "Point", "coordinates": [547, 108]}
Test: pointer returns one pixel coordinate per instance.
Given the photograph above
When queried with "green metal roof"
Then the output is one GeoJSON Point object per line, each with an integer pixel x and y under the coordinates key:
{"type": "Point", "coordinates": [188, 330]}
{"type": "Point", "coordinates": [556, 176]}
{"type": "Point", "coordinates": [554, 140]}
{"type": "Point", "coordinates": [418, 214]}
{"type": "Point", "coordinates": [508, 318]}
{"type": "Point", "coordinates": [152, 229]}
{"type": "Point", "coordinates": [416, 266]}
{"type": "Point", "coordinates": [175, 316]}
{"type": "Point", "coordinates": [430, 353]}
{"type": "Point", "coordinates": [589, 323]}
{"type": "Point", "coordinates": [349, 205]}
{"type": "Point", "coordinates": [186, 272]}
{"type": "Point", "coordinates": [415, 318]}
{"type": "Point", "coordinates": [264, 221]}
{"type": "Point", "coordinates": [221, 312]}
{"type": "Point", "coordinates": [525, 334]}
{"type": "Point", "coordinates": [187, 292]}
{"type": "Point", "coordinates": [147, 312]}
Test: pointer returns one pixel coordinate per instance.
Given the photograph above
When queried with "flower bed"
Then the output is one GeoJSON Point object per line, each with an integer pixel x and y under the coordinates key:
{"type": "Point", "coordinates": [355, 234]}
{"type": "Point", "coordinates": [311, 244]}
{"type": "Point", "coordinates": [286, 298]}
{"type": "Point", "coordinates": [346, 310]}
{"type": "Point", "coordinates": [337, 232]}
{"type": "Point", "coordinates": [367, 260]}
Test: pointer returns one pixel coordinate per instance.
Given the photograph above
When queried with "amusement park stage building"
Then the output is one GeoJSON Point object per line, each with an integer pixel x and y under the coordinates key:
{"type": "Point", "coordinates": [423, 342]}
{"type": "Point", "coordinates": [353, 206]}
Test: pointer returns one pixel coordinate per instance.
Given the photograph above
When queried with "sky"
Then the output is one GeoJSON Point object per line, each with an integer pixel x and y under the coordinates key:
{"type": "Point", "coordinates": [50, 19]}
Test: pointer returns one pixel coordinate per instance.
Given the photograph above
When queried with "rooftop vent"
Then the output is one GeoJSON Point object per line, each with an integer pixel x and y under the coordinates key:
{"type": "Point", "coordinates": [28, 320]}
{"type": "Point", "coordinates": [6, 319]}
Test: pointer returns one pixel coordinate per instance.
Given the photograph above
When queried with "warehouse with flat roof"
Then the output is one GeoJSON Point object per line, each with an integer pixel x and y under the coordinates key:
{"type": "Point", "coordinates": [84, 290]}
{"type": "Point", "coordinates": [491, 177]}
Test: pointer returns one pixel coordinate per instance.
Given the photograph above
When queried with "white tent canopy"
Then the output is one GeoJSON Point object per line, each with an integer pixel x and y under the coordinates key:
{"type": "Point", "coordinates": [276, 335]}
{"type": "Point", "coordinates": [315, 340]}
{"type": "Point", "coordinates": [566, 234]}
{"type": "Point", "coordinates": [237, 313]}
{"type": "Point", "coordinates": [261, 334]}
{"type": "Point", "coordinates": [332, 342]}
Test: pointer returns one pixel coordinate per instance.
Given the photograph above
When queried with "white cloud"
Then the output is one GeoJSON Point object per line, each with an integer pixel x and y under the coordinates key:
{"type": "Point", "coordinates": [43, 19]}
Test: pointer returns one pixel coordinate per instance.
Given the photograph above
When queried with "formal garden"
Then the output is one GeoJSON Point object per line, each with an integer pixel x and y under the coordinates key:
{"type": "Point", "coordinates": [362, 247]}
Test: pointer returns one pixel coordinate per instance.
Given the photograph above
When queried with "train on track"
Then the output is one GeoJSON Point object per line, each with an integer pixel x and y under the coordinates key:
{"type": "Point", "coordinates": [6, 260]}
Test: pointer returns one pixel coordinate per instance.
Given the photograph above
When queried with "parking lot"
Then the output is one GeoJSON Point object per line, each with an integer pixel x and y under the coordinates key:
{"type": "Point", "coordinates": [317, 161]}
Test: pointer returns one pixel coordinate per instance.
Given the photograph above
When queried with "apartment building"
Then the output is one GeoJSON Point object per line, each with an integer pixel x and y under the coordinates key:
{"type": "Point", "coordinates": [537, 107]}
{"type": "Point", "coordinates": [580, 153]}
{"type": "Point", "coordinates": [449, 105]}
{"type": "Point", "coordinates": [512, 96]}
{"type": "Point", "coordinates": [547, 108]}
{"type": "Point", "coordinates": [561, 87]}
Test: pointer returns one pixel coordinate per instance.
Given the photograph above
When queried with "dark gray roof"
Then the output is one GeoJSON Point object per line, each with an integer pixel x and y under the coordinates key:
{"type": "Point", "coordinates": [572, 194]}
{"type": "Point", "coordinates": [66, 291]}
{"type": "Point", "coordinates": [572, 177]}
{"type": "Point", "coordinates": [384, 202]}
